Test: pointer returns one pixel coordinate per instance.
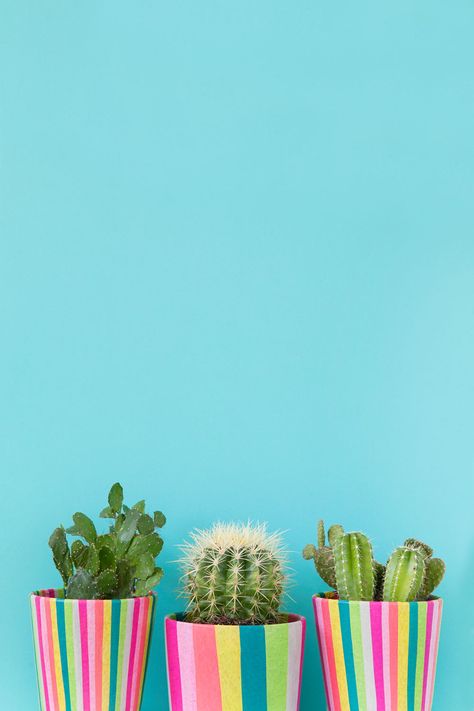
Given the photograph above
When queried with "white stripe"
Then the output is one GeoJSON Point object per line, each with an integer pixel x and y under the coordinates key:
{"type": "Point", "coordinates": [386, 654]}
{"type": "Point", "coordinates": [187, 666]}
{"type": "Point", "coordinates": [76, 627]}
{"type": "Point", "coordinates": [368, 658]}
{"type": "Point", "coordinates": [126, 653]}
{"type": "Point", "coordinates": [295, 633]}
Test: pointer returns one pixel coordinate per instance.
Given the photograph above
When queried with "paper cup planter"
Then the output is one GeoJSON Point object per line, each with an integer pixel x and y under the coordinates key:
{"type": "Point", "coordinates": [234, 668]}
{"type": "Point", "coordinates": [91, 655]}
{"type": "Point", "coordinates": [378, 656]}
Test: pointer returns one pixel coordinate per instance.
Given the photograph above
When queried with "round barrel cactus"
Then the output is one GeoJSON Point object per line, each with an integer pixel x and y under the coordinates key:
{"type": "Point", "coordinates": [234, 574]}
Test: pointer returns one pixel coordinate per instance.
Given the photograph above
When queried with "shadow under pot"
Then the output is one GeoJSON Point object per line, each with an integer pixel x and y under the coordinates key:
{"type": "Point", "coordinates": [91, 655]}
{"type": "Point", "coordinates": [378, 655]}
{"type": "Point", "coordinates": [234, 667]}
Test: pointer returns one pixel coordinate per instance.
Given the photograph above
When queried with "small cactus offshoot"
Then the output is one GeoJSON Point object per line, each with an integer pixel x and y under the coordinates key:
{"type": "Point", "coordinates": [117, 564]}
{"type": "Point", "coordinates": [346, 563]}
{"type": "Point", "coordinates": [234, 574]}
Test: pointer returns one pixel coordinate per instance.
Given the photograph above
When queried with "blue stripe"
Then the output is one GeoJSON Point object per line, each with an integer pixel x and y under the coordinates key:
{"type": "Point", "coordinates": [344, 615]}
{"type": "Point", "coordinates": [412, 652]}
{"type": "Point", "coordinates": [63, 651]}
{"type": "Point", "coordinates": [114, 645]}
{"type": "Point", "coordinates": [253, 668]}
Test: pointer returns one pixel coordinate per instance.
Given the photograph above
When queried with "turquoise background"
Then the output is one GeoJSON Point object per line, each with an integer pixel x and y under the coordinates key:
{"type": "Point", "coordinates": [236, 274]}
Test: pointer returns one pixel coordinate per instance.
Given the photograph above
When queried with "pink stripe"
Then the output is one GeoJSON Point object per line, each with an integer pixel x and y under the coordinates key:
{"type": "Point", "coordinates": [393, 623]}
{"type": "Point", "coordinates": [52, 667]}
{"type": "Point", "coordinates": [174, 675]}
{"type": "Point", "coordinates": [386, 655]}
{"type": "Point", "coordinates": [84, 654]}
{"type": "Point", "coordinates": [377, 652]}
{"type": "Point", "coordinates": [47, 662]}
{"type": "Point", "coordinates": [429, 625]}
{"type": "Point", "coordinates": [303, 638]}
{"type": "Point", "coordinates": [139, 655]}
{"type": "Point", "coordinates": [91, 640]}
{"type": "Point", "coordinates": [324, 656]}
{"type": "Point", "coordinates": [207, 668]}
{"type": "Point", "coordinates": [439, 607]}
{"type": "Point", "coordinates": [99, 640]}
{"type": "Point", "coordinates": [186, 658]}
{"type": "Point", "coordinates": [133, 649]}
{"type": "Point", "coordinates": [41, 649]}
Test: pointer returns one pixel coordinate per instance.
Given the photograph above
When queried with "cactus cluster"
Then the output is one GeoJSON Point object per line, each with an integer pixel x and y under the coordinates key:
{"type": "Point", "coordinates": [117, 564]}
{"type": "Point", "coordinates": [234, 574]}
{"type": "Point", "coordinates": [346, 563]}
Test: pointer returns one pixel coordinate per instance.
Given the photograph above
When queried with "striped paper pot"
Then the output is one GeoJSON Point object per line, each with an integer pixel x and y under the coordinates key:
{"type": "Point", "coordinates": [378, 656]}
{"type": "Point", "coordinates": [232, 668]}
{"type": "Point", "coordinates": [91, 655]}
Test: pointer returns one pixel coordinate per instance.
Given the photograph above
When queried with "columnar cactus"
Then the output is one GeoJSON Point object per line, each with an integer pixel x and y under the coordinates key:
{"type": "Point", "coordinates": [354, 567]}
{"type": "Point", "coordinates": [234, 574]}
{"type": "Point", "coordinates": [347, 565]}
{"type": "Point", "coordinates": [404, 575]}
{"type": "Point", "coordinates": [117, 564]}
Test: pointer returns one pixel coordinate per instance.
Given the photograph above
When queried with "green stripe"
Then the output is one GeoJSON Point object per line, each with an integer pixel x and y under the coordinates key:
{"type": "Point", "coordinates": [114, 643]}
{"type": "Point", "coordinates": [123, 634]}
{"type": "Point", "coordinates": [354, 608]}
{"type": "Point", "coordinates": [68, 611]}
{"type": "Point", "coordinates": [420, 654]}
{"type": "Point", "coordinates": [412, 652]}
{"type": "Point", "coordinates": [276, 649]}
{"type": "Point", "coordinates": [63, 651]}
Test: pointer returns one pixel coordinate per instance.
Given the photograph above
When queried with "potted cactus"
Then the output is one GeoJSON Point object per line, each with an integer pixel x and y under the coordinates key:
{"type": "Point", "coordinates": [92, 635]}
{"type": "Point", "coordinates": [378, 631]}
{"type": "Point", "coordinates": [233, 650]}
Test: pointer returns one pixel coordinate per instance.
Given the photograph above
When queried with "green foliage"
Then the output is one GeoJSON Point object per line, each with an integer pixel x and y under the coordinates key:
{"type": "Point", "coordinates": [117, 564]}
{"type": "Point", "coordinates": [347, 564]}
{"type": "Point", "coordinates": [234, 574]}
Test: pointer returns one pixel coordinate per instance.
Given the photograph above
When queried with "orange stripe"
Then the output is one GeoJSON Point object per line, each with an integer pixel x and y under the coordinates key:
{"type": "Point", "coordinates": [208, 685]}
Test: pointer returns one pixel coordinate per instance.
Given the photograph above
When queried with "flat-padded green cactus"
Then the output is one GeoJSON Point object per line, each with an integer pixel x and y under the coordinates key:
{"type": "Point", "coordinates": [347, 565]}
{"type": "Point", "coordinates": [233, 574]}
{"type": "Point", "coordinates": [117, 564]}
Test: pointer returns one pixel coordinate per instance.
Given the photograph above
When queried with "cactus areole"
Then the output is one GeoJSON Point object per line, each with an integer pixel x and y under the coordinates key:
{"type": "Point", "coordinates": [346, 563]}
{"type": "Point", "coordinates": [114, 565]}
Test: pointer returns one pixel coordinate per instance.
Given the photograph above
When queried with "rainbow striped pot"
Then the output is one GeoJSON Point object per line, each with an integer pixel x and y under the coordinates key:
{"type": "Point", "coordinates": [91, 655]}
{"type": "Point", "coordinates": [234, 668]}
{"type": "Point", "coordinates": [378, 656]}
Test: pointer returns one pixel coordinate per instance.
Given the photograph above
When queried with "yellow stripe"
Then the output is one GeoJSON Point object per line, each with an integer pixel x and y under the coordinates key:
{"type": "Point", "coordinates": [228, 655]}
{"type": "Point", "coordinates": [57, 655]}
{"type": "Point", "coordinates": [403, 635]}
{"type": "Point", "coordinates": [339, 656]}
{"type": "Point", "coordinates": [106, 653]}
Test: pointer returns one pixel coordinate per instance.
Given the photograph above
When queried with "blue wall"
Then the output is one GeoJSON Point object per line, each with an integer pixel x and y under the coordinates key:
{"type": "Point", "coordinates": [236, 274]}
